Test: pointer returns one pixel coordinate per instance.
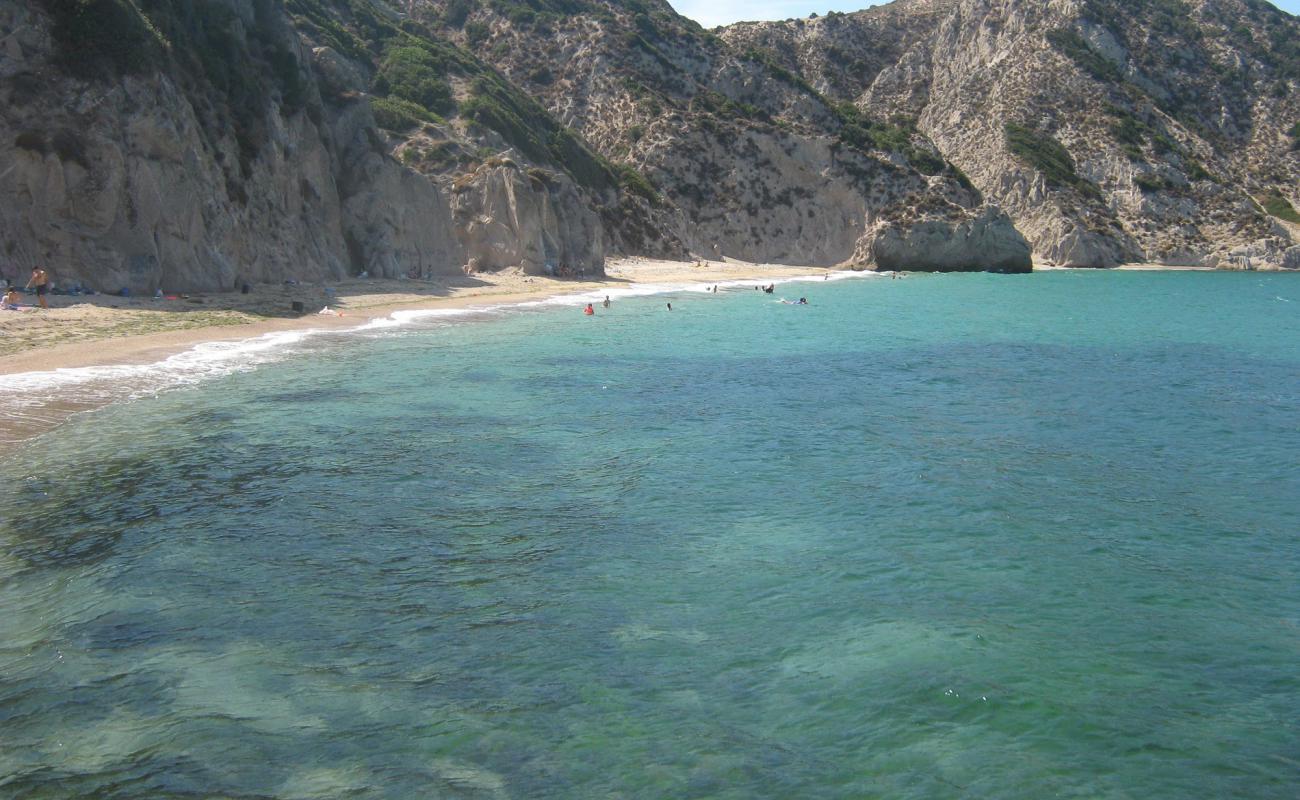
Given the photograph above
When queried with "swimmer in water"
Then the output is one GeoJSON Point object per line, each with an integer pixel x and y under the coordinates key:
{"type": "Point", "coordinates": [589, 311]}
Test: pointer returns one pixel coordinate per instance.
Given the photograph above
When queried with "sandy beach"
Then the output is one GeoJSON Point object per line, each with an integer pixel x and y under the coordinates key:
{"type": "Point", "coordinates": [47, 348]}
{"type": "Point", "coordinates": [99, 330]}
{"type": "Point", "coordinates": [42, 346]}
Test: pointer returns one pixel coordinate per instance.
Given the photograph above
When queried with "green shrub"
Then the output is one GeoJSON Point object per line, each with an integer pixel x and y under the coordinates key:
{"type": "Point", "coordinates": [414, 74]}
{"type": "Point", "coordinates": [1195, 170]}
{"type": "Point", "coordinates": [526, 125]}
{"type": "Point", "coordinates": [723, 106]}
{"type": "Point", "coordinates": [636, 183]}
{"type": "Point", "coordinates": [101, 39]}
{"type": "Point", "coordinates": [1149, 183]}
{"type": "Point", "coordinates": [895, 136]}
{"type": "Point", "coordinates": [476, 33]}
{"type": "Point", "coordinates": [925, 162]}
{"type": "Point", "coordinates": [586, 168]}
{"type": "Point", "coordinates": [1077, 49]}
{"type": "Point", "coordinates": [1130, 130]}
{"type": "Point", "coordinates": [962, 180]}
{"type": "Point", "coordinates": [1048, 156]}
{"type": "Point", "coordinates": [456, 12]}
{"type": "Point", "coordinates": [488, 111]}
{"type": "Point", "coordinates": [1278, 206]}
{"type": "Point", "coordinates": [328, 29]}
{"type": "Point", "coordinates": [769, 61]}
{"type": "Point", "coordinates": [398, 115]}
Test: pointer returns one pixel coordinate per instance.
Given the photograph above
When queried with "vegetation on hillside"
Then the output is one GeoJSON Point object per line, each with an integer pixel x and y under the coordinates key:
{"type": "Point", "coordinates": [199, 42]}
{"type": "Point", "coordinates": [415, 75]}
{"type": "Point", "coordinates": [1278, 206]}
{"type": "Point", "coordinates": [1048, 156]}
{"type": "Point", "coordinates": [1073, 46]}
{"type": "Point", "coordinates": [896, 136]}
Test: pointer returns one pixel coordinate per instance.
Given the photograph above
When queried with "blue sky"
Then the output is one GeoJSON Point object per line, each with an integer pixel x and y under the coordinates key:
{"type": "Point", "coordinates": [722, 12]}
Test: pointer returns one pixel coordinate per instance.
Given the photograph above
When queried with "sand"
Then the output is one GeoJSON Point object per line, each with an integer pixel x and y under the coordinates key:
{"type": "Point", "coordinates": [102, 330]}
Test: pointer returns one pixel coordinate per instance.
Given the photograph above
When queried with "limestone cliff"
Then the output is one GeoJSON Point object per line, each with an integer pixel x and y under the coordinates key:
{"type": "Point", "coordinates": [1110, 131]}
{"type": "Point", "coordinates": [190, 144]}
{"type": "Point", "coordinates": [203, 145]}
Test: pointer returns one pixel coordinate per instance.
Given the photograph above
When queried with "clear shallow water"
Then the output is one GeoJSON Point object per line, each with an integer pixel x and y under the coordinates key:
{"type": "Point", "coordinates": [972, 535]}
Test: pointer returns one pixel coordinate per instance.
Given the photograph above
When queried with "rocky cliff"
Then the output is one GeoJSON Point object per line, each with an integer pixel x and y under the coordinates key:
{"type": "Point", "coordinates": [1155, 130]}
{"type": "Point", "coordinates": [194, 144]}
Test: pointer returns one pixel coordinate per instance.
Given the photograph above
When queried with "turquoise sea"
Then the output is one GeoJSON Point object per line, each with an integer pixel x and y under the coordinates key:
{"type": "Point", "coordinates": [953, 536]}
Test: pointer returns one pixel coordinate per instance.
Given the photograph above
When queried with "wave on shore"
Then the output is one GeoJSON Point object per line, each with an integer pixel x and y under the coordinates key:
{"type": "Point", "coordinates": [32, 402]}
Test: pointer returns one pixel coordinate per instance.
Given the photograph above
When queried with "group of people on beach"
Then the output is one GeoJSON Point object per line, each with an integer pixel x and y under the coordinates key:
{"type": "Point", "coordinates": [40, 281]}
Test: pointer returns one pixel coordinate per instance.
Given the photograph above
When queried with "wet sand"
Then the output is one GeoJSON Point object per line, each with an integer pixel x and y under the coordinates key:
{"type": "Point", "coordinates": [99, 331]}
{"type": "Point", "coordinates": [102, 330]}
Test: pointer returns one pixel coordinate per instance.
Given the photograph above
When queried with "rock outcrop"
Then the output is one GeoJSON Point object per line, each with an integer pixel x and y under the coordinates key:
{"type": "Point", "coordinates": [985, 242]}
{"type": "Point", "coordinates": [200, 144]}
{"type": "Point", "coordinates": [1109, 131]}
{"type": "Point", "coordinates": [537, 222]}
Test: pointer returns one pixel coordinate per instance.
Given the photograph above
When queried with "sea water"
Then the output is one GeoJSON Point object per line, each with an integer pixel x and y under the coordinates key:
{"type": "Point", "coordinates": [948, 536]}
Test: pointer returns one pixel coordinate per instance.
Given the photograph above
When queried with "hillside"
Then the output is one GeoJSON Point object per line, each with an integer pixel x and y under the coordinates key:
{"type": "Point", "coordinates": [1155, 130]}
{"type": "Point", "coordinates": [206, 143]}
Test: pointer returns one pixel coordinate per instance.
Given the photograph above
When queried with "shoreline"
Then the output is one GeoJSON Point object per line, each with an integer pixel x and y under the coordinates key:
{"type": "Point", "coordinates": [104, 331]}
{"type": "Point", "coordinates": [47, 385]}
{"type": "Point", "coordinates": [86, 353]}
{"type": "Point", "coordinates": [361, 302]}
{"type": "Point", "coordinates": [100, 338]}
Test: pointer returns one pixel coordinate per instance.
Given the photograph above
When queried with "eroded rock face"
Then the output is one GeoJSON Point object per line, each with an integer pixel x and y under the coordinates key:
{"type": "Point", "coordinates": [126, 185]}
{"type": "Point", "coordinates": [507, 218]}
{"type": "Point", "coordinates": [986, 242]}
{"type": "Point", "coordinates": [393, 220]}
{"type": "Point", "coordinates": [1171, 153]}
{"type": "Point", "coordinates": [879, 137]}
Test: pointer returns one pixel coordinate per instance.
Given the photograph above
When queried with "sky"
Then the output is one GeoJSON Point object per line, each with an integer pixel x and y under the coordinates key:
{"type": "Point", "coordinates": [711, 13]}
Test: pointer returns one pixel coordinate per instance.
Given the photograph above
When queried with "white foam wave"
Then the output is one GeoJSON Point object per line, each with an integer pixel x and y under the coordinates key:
{"type": "Point", "coordinates": [206, 359]}
{"type": "Point", "coordinates": [33, 401]}
{"type": "Point", "coordinates": [33, 395]}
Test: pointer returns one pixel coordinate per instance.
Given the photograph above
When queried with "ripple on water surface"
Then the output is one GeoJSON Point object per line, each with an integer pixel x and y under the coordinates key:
{"type": "Point", "coordinates": [948, 536]}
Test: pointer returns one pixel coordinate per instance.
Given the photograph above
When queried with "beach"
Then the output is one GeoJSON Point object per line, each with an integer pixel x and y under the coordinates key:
{"type": "Point", "coordinates": [101, 330]}
{"type": "Point", "coordinates": [87, 351]}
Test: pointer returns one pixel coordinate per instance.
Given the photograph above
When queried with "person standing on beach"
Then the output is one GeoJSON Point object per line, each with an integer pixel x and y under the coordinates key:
{"type": "Point", "coordinates": [41, 280]}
